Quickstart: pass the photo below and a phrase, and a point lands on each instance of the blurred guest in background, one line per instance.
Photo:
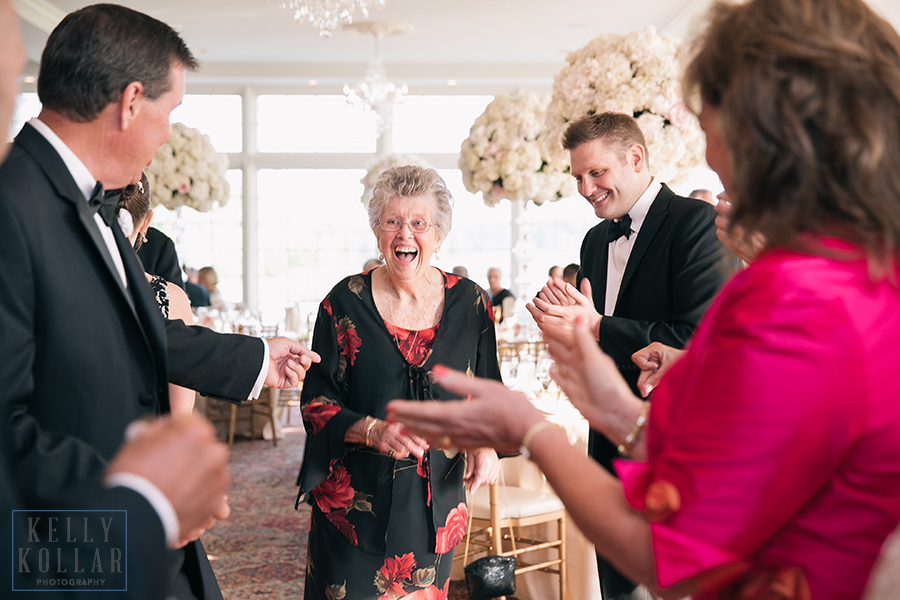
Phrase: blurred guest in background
(705, 195)
(782, 391)
(461, 271)
(556, 272)
(210, 280)
(379, 334)
(570, 274)
(196, 293)
(501, 298)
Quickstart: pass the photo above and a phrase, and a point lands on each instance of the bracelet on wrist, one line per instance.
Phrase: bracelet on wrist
(627, 446)
(525, 448)
(369, 427)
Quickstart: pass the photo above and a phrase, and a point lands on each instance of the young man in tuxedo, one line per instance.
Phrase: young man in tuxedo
(648, 271)
(85, 349)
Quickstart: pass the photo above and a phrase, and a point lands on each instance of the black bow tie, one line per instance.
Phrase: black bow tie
(619, 228)
(104, 203)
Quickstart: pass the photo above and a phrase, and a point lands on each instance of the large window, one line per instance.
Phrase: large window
(435, 123)
(312, 124)
(311, 227)
(218, 116)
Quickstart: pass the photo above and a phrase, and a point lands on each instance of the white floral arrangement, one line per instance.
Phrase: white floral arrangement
(637, 74)
(505, 156)
(383, 164)
(187, 171)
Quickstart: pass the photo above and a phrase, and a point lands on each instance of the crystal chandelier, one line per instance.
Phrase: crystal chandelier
(326, 15)
(375, 93)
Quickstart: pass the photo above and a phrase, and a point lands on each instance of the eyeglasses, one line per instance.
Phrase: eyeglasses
(416, 225)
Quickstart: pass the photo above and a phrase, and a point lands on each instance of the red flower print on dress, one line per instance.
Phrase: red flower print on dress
(347, 339)
(451, 280)
(338, 518)
(326, 304)
(334, 497)
(449, 536)
(415, 346)
(429, 593)
(318, 412)
(335, 492)
(392, 573)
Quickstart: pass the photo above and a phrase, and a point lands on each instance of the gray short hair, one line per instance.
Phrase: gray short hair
(407, 181)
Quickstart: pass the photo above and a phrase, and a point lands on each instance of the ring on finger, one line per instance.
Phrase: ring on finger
(390, 453)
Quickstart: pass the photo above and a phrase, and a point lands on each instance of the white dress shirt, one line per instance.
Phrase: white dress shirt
(620, 249)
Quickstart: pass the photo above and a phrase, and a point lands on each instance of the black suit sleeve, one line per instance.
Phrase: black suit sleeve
(221, 365)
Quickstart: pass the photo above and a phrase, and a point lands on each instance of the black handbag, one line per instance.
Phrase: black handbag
(490, 577)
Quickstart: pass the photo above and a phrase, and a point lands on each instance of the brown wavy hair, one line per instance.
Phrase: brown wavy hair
(808, 95)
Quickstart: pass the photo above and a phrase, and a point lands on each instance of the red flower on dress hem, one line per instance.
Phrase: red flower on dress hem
(449, 536)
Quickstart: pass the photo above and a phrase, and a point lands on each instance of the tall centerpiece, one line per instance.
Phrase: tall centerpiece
(187, 171)
(505, 157)
(637, 74)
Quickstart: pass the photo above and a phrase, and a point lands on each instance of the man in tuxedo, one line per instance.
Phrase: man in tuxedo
(648, 271)
(85, 349)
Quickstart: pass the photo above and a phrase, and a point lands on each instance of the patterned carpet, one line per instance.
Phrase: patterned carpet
(259, 552)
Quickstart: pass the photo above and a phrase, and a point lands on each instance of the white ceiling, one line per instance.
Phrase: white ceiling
(511, 43)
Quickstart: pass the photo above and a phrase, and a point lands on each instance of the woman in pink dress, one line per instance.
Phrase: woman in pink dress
(769, 466)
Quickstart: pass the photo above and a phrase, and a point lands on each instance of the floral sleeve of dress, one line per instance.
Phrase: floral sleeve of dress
(323, 399)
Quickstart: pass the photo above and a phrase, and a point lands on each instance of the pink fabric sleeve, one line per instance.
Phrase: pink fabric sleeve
(749, 426)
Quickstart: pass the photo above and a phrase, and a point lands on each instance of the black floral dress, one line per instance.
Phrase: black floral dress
(384, 528)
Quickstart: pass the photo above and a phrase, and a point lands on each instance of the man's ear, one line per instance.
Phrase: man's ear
(637, 158)
(131, 103)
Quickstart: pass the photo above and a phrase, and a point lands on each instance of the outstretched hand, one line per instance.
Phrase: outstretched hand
(560, 304)
(494, 417)
(288, 362)
(654, 360)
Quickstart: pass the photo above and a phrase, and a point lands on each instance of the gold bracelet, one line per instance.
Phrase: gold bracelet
(627, 446)
(369, 429)
(524, 449)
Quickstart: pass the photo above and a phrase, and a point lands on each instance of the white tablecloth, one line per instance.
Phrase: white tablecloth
(584, 582)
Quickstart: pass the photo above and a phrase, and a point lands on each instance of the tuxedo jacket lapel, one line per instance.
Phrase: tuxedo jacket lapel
(58, 175)
(598, 288)
(654, 220)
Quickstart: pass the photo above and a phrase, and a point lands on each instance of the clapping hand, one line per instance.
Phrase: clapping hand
(560, 304)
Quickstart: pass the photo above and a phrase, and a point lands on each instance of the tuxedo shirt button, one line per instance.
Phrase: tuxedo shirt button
(146, 400)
